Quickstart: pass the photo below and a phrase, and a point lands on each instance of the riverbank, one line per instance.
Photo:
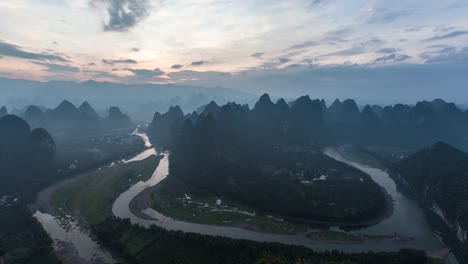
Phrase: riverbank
(180, 203)
(42, 201)
(72, 205)
(138, 198)
(209, 210)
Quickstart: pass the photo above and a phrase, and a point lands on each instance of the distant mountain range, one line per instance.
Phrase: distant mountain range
(305, 120)
(68, 120)
(437, 176)
(139, 100)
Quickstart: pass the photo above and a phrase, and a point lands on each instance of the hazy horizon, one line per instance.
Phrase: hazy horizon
(233, 131)
(375, 51)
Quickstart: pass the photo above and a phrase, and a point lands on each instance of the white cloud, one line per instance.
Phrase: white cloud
(227, 33)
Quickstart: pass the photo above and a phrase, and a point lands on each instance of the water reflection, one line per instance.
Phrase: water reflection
(407, 220)
(68, 236)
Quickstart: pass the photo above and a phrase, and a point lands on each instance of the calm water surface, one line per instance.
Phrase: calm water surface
(407, 219)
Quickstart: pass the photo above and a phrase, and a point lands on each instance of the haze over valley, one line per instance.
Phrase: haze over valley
(263, 132)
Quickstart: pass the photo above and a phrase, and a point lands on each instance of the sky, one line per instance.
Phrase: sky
(289, 47)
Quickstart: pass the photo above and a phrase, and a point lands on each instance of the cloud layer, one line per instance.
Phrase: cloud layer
(123, 14)
(10, 50)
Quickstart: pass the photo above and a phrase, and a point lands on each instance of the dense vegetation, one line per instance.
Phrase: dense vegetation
(24, 153)
(25, 242)
(136, 244)
(267, 158)
(174, 198)
(26, 164)
(438, 176)
(305, 120)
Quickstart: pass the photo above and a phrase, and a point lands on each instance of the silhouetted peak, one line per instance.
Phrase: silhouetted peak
(85, 105)
(65, 106)
(65, 112)
(193, 116)
(305, 102)
(282, 106)
(156, 116)
(350, 105)
(14, 131)
(438, 103)
(264, 104)
(87, 109)
(265, 98)
(212, 108)
(34, 113)
(175, 111)
(212, 104)
(231, 107)
(117, 118)
(114, 111)
(367, 111)
(305, 106)
(303, 99)
(336, 106)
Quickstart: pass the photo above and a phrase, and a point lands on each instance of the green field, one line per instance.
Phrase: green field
(175, 199)
(91, 195)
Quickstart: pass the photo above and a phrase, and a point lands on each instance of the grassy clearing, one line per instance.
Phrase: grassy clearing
(175, 199)
(91, 195)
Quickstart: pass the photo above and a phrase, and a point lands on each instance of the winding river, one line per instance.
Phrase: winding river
(407, 219)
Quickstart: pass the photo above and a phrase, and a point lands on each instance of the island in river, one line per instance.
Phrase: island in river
(313, 154)
(121, 206)
(255, 162)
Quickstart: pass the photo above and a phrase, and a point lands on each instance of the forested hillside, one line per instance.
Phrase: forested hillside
(439, 177)
(305, 120)
(26, 164)
(268, 158)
